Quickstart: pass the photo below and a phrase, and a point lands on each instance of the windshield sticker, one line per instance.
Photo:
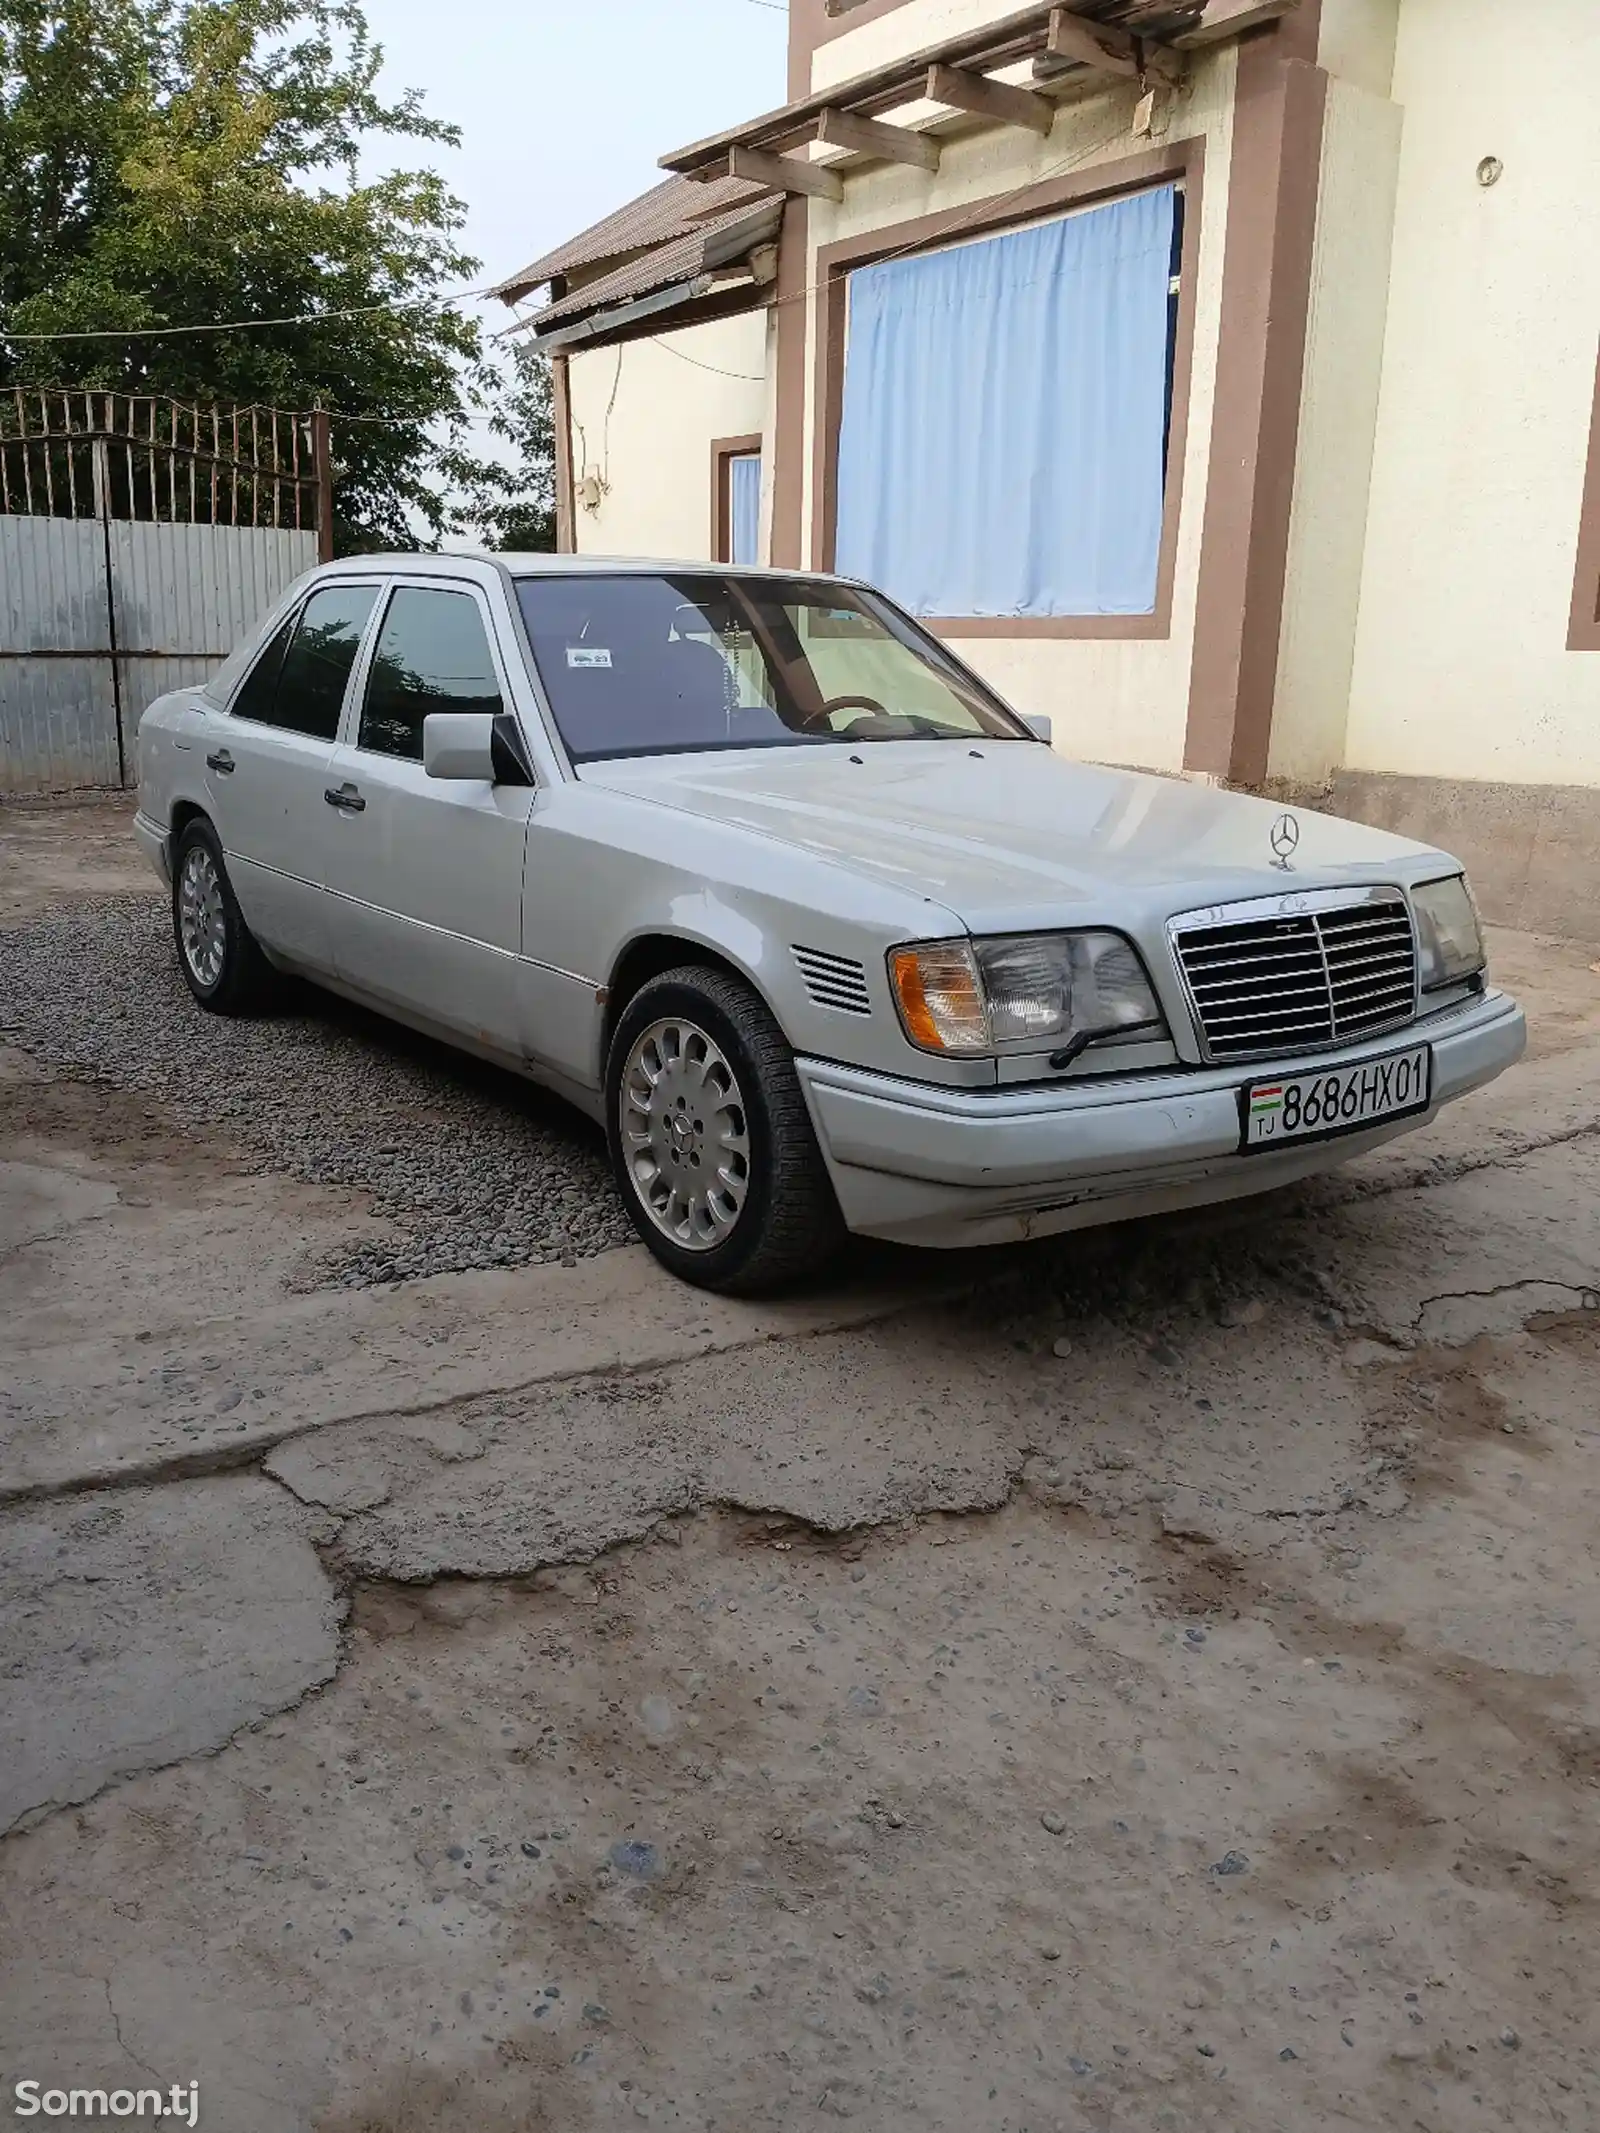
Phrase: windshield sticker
(587, 655)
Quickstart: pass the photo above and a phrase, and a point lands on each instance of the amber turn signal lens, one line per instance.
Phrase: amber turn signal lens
(940, 999)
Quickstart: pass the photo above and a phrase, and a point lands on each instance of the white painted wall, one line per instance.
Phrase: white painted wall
(643, 419)
(1338, 426)
(1461, 667)
(1113, 699)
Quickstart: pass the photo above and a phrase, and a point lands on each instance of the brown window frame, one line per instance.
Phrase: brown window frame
(724, 451)
(1584, 633)
(1185, 161)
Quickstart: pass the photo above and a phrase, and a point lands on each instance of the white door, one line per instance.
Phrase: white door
(425, 874)
(267, 762)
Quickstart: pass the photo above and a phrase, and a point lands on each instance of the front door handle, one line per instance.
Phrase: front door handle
(345, 797)
(221, 761)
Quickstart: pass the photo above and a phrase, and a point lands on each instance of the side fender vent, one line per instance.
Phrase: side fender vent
(834, 981)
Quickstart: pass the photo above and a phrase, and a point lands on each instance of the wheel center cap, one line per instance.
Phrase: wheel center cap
(681, 1130)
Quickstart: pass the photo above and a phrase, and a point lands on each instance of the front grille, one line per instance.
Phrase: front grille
(1301, 981)
(835, 981)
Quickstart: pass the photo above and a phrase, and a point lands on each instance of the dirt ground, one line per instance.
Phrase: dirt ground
(1147, 1681)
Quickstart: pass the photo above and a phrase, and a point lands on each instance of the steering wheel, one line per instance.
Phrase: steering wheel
(841, 703)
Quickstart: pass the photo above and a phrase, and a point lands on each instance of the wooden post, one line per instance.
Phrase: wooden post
(100, 461)
(322, 460)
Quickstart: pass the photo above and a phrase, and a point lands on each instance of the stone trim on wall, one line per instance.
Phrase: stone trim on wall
(1532, 852)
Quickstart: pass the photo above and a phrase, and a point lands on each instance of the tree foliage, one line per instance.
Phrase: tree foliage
(512, 503)
(184, 162)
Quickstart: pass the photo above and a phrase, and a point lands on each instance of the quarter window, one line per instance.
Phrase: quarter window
(299, 681)
(432, 655)
(255, 698)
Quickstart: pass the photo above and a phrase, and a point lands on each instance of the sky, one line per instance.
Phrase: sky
(564, 105)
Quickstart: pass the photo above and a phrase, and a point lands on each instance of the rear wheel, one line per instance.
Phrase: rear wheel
(711, 1140)
(221, 963)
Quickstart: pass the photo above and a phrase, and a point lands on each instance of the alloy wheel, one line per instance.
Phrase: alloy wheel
(685, 1134)
(202, 922)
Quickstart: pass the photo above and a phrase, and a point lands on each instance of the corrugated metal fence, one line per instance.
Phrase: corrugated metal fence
(102, 613)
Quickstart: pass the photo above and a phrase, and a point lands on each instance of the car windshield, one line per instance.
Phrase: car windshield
(637, 664)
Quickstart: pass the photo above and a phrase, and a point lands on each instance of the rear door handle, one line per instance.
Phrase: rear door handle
(346, 797)
(221, 761)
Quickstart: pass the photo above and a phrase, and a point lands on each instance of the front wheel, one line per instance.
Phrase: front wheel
(711, 1140)
(217, 953)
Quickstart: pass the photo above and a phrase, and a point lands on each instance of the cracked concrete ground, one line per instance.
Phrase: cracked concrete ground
(1149, 1681)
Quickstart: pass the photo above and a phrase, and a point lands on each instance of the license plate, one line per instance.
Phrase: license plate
(1300, 1107)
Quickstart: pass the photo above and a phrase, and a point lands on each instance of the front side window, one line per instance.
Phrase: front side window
(432, 654)
(299, 681)
(650, 665)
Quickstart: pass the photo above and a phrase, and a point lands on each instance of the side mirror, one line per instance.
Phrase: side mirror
(476, 747)
(1038, 724)
(459, 744)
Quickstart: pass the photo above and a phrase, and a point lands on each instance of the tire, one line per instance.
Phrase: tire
(774, 1217)
(221, 962)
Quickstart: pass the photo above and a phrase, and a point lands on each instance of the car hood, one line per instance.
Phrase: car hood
(1010, 833)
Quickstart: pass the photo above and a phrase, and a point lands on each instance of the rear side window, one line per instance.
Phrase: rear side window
(432, 654)
(299, 681)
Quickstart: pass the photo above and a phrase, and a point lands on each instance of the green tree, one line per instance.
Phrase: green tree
(181, 162)
(511, 503)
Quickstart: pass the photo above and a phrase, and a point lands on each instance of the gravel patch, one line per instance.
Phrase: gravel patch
(471, 1166)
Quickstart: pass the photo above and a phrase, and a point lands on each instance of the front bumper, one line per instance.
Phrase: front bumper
(950, 1167)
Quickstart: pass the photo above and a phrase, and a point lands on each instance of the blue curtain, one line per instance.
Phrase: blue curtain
(1003, 442)
(744, 512)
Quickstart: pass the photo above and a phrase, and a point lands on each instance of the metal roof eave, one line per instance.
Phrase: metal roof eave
(723, 248)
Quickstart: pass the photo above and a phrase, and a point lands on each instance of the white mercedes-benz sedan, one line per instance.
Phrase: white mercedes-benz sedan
(752, 868)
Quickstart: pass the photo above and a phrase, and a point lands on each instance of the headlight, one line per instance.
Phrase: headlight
(1449, 943)
(1062, 990)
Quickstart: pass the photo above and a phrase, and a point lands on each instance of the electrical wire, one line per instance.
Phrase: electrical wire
(983, 208)
(241, 325)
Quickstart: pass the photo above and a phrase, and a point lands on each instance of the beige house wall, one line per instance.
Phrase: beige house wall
(1338, 426)
(880, 38)
(1461, 666)
(1118, 698)
(645, 415)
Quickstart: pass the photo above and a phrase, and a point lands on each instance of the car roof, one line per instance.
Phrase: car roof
(533, 563)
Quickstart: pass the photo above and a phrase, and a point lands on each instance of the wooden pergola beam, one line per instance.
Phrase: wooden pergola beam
(870, 137)
(996, 100)
(1099, 45)
(1105, 49)
(782, 174)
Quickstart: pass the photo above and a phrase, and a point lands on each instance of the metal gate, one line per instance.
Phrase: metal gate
(139, 540)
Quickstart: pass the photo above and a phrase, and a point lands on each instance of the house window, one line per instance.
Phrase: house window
(1003, 440)
(736, 499)
(744, 507)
